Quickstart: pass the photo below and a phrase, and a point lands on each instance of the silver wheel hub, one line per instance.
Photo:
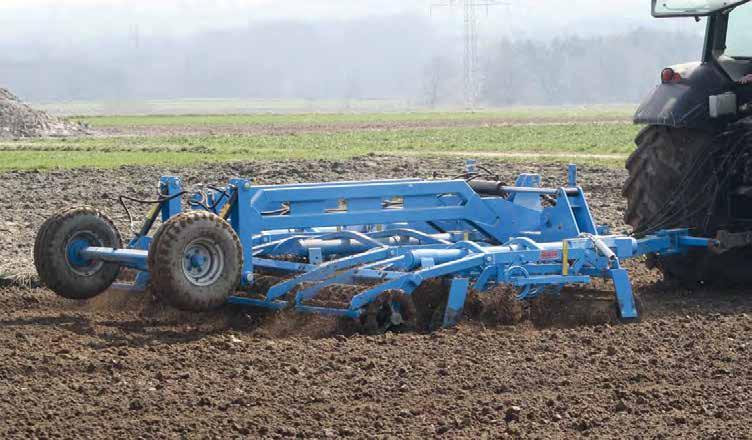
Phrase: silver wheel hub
(78, 265)
(203, 262)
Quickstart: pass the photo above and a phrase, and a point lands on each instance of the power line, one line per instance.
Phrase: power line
(472, 78)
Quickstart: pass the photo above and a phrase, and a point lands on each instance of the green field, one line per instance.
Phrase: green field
(516, 141)
(600, 134)
(512, 115)
(385, 109)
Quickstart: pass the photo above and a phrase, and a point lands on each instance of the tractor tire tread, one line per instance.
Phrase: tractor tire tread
(656, 168)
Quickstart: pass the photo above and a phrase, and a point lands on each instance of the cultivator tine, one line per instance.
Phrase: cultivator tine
(456, 301)
(348, 277)
(412, 280)
(625, 298)
(326, 270)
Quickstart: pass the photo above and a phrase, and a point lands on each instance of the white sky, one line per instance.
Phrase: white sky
(87, 18)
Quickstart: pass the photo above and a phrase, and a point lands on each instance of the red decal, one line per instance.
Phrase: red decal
(549, 255)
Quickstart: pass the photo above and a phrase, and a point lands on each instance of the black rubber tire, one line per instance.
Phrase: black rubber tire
(660, 162)
(50, 253)
(168, 279)
(656, 169)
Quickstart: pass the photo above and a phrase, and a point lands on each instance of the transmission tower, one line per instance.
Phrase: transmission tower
(471, 77)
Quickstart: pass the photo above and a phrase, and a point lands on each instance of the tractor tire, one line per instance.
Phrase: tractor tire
(59, 270)
(195, 261)
(658, 166)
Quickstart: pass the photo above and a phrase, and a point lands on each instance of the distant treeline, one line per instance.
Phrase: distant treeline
(572, 70)
(398, 57)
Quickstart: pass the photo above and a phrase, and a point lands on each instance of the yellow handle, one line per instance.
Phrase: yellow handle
(153, 212)
(225, 210)
(565, 258)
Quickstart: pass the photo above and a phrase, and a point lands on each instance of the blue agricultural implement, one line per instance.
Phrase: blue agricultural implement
(385, 238)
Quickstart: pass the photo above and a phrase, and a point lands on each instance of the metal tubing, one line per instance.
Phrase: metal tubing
(414, 258)
(132, 258)
(696, 242)
(541, 191)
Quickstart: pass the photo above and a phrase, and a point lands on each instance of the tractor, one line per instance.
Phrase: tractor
(693, 163)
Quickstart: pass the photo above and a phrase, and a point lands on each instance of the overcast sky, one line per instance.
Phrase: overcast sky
(534, 18)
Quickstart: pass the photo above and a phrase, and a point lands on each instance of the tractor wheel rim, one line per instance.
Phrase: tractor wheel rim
(73, 247)
(203, 262)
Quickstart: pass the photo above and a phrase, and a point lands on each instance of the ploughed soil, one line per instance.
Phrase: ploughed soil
(122, 365)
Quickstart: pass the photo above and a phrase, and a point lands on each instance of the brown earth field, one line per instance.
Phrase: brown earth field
(124, 366)
(334, 127)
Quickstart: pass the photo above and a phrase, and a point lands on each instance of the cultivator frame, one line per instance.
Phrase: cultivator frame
(394, 235)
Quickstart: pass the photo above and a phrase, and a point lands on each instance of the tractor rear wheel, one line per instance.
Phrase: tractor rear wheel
(56, 253)
(658, 172)
(195, 261)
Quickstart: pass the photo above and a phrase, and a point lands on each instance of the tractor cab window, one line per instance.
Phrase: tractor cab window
(739, 33)
(735, 57)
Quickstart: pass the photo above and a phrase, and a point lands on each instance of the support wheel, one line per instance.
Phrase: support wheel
(57, 253)
(195, 261)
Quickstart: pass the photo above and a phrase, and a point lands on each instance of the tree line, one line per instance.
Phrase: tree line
(399, 57)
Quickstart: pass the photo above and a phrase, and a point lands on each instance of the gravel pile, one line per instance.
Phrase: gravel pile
(18, 120)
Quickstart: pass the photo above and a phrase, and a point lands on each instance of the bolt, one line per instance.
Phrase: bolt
(247, 186)
(249, 277)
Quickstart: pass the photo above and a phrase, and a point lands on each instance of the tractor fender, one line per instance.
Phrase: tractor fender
(685, 103)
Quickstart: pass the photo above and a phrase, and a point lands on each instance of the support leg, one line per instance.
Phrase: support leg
(456, 301)
(624, 297)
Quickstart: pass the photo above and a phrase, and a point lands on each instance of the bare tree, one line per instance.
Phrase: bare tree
(435, 75)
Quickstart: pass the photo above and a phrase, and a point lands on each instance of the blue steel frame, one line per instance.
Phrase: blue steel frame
(397, 234)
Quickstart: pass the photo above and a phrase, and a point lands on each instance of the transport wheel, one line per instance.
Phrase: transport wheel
(57, 247)
(195, 261)
(657, 170)
(394, 310)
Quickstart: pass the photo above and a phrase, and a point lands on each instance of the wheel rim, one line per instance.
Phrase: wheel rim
(526, 292)
(77, 243)
(203, 262)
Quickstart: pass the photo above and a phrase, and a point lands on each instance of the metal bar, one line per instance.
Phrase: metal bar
(326, 270)
(132, 258)
(696, 242)
(242, 301)
(345, 313)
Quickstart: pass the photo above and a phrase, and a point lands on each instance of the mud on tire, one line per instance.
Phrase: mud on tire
(656, 169)
(195, 261)
(59, 270)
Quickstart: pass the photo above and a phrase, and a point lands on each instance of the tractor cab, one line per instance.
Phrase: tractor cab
(714, 91)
